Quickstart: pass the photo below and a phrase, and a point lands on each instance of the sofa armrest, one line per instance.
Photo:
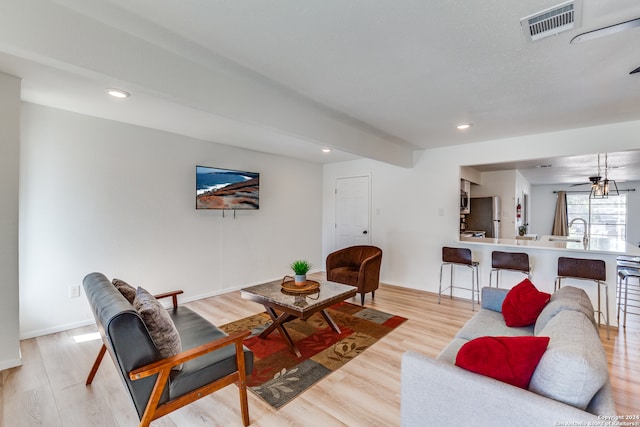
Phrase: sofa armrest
(438, 393)
(172, 294)
(370, 266)
(171, 362)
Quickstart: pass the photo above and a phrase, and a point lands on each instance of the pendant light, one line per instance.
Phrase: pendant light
(602, 188)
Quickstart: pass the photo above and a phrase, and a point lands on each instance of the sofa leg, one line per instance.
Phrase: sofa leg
(373, 294)
(362, 298)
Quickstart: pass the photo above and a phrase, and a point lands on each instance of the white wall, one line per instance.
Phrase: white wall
(416, 212)
(9, 183)
(503, 185)
(522, 186)
(543, 205)
(237, 102)
(98, 195)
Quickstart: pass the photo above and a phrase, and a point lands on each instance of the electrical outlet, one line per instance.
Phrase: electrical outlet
(74, 291)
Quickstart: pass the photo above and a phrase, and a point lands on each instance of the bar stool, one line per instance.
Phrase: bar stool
(623, 276)
(511, 261)
(628, 262)
(461, 257)
(585, 269)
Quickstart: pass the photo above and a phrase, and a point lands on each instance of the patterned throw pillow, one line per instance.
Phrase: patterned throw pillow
(163, 332)
(127, 291)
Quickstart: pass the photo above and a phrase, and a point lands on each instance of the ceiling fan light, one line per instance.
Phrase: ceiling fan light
(612, 188)
(597, 192)
(604, 189)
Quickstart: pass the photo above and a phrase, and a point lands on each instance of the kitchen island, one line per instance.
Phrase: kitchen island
(543, 257)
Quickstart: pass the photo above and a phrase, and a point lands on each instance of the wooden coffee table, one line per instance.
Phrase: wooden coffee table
(291, 307)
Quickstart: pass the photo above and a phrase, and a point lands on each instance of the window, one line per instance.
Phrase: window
(606, 217)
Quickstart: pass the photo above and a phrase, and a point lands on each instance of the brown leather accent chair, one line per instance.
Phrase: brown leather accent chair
(357, 266)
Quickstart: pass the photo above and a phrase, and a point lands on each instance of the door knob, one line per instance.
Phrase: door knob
(364, 232)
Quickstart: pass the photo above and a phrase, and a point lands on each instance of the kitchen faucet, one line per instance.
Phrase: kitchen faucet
(585, 238)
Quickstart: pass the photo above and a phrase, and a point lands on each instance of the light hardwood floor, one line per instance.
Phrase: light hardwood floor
(48, 390)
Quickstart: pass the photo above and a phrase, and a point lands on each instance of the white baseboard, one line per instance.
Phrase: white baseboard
(56, 329)
(224, 291)
(65, 327)
(10, 364)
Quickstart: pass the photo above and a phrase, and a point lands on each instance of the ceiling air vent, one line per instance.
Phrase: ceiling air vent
(552, 21)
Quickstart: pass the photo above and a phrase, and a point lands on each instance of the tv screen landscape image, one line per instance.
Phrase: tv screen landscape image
(226, 189)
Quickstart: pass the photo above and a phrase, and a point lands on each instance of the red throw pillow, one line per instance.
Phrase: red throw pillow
(509, 359)
(523, 304)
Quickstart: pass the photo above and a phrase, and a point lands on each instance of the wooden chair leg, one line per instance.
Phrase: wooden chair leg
(154, 399)
(242, 383)
(96, 365)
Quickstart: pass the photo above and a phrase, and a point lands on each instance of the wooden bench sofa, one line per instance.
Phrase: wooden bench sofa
(210, 359)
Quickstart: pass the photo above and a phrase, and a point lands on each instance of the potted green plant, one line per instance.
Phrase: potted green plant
(300, 269)
(522, 230)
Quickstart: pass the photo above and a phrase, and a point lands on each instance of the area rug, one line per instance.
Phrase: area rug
(279, 376)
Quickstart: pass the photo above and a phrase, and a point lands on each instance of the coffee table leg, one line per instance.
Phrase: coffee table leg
(277, 323)
(330, 321)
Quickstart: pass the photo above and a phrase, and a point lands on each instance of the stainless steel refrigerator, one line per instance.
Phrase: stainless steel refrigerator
(484, 215)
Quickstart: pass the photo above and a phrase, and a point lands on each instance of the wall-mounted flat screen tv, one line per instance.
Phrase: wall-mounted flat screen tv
(226, 189)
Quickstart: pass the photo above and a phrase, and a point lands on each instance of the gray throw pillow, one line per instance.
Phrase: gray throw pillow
(574, 367)
(566, 298)
(492, 298)
(163, 332)
(127, 291)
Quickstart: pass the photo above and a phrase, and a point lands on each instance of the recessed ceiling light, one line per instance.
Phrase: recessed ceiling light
(463, 126)
(326, 150)
(118, 93)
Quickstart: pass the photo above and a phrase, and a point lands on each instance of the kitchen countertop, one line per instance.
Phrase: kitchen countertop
(571, 243)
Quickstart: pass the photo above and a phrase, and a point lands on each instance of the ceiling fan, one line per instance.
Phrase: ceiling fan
(593, 180)
(600, 188)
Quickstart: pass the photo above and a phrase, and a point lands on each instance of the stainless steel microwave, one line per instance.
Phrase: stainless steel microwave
(465, 196)
(464, 202)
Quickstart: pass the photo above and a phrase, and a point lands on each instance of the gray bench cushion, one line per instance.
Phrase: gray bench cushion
(195, 331)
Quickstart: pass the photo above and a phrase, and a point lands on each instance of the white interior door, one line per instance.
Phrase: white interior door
(352, 211)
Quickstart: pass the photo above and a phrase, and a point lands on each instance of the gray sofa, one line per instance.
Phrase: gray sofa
(570, 384)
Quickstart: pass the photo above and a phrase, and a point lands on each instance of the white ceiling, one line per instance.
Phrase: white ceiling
(367, 78)
(621, 167)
